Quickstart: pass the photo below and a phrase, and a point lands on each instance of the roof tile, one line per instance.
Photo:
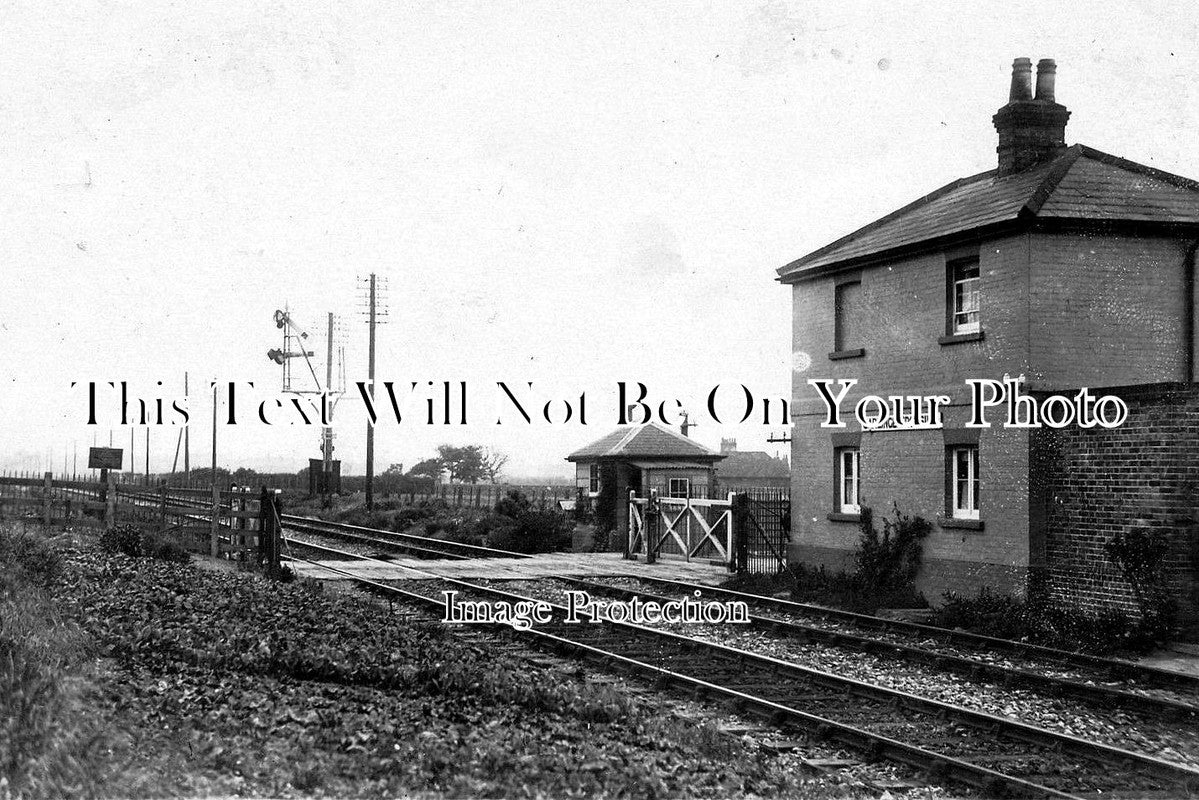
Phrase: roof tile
(1080, 183)
(643, 441)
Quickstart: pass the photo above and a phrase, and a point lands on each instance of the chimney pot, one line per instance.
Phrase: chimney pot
(1021, 80)
(1030, 131)
(1046, 74)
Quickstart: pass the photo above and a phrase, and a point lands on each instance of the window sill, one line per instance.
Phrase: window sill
(841, 355)
(960, 524)
(839, 516)
(958, 338)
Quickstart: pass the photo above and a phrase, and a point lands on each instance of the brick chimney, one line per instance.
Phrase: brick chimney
(1031, 129)
(728, 446)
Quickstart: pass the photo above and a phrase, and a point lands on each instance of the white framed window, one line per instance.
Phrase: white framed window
(679, 487)
(594, 480)
(966, 297)
(964, 480)
(848, 481)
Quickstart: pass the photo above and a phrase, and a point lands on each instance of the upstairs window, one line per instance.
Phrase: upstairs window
(964, 482)
(679, 487)
(848, 311)
(848, 483)
(965, 296)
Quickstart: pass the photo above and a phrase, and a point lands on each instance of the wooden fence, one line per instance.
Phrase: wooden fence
(459, 495)
(221, 522)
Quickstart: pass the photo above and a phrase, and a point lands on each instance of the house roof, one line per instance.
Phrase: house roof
(1078, 184)
(752, 464)
(643, 441)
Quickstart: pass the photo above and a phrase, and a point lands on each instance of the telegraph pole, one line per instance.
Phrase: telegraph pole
(214, 407)
(187, 464)
(375, 316)
(370, 429)
(327, 431)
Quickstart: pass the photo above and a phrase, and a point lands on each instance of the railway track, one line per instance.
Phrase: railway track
(1016, 662)
(421, 546)
(425, 547)
(1121, 683)
(1179, 707)
(952, 744)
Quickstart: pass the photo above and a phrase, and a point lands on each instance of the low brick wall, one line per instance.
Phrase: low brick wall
(1088, 484)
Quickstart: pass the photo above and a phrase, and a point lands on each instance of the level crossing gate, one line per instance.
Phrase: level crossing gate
(746, 532)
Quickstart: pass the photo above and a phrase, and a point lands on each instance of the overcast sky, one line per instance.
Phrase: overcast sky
(571, 194)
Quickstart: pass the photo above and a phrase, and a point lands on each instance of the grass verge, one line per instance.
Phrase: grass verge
(146, 678)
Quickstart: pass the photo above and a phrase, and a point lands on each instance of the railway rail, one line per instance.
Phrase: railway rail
(1118, 682)
(422, 546)
(974, 668)
(1164, 689)
(426, 547)
(995, 754)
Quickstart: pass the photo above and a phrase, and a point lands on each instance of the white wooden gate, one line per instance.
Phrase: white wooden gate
(690, 528)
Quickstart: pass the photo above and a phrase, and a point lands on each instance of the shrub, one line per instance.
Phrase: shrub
(31, 557)
(514, 504)
(1042, 622)
(890, 562)
(523, 527)
(409, 516)
(124, 539)
(128, 540)
(164, 548)
(606, 502)
(1140, 555)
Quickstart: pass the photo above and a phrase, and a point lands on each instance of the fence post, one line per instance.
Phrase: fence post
(162, 506)
(739, 547)
(213, 543)
(628, 534)
(46, 481)
(110, 499)
(649, 527)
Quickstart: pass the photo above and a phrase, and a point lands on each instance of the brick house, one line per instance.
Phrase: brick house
(643, 458)
(1064, 265)
(750, 469)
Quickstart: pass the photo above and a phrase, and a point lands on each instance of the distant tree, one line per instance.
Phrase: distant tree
(203, 475)
(429, 468)
(464, 464)
(493, 464)
(245, 477)
(394, 469)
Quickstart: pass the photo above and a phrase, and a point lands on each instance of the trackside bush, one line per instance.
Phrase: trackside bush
(519, 525)
(1039, 621)
(128, 540)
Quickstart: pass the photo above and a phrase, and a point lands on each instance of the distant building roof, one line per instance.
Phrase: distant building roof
(1078, 184)
(643, 441)
(752, 465)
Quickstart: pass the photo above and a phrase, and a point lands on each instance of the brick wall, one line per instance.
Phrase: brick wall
(903, 317)
(1066, 310)
(1106, 310)
(908, 468)
(1089, 484)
